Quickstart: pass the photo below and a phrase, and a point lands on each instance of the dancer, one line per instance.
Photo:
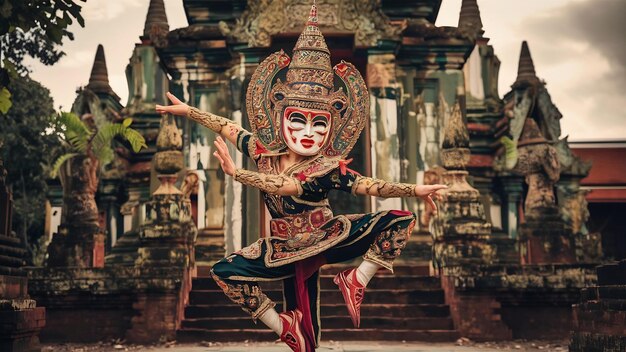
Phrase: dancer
(302, 131)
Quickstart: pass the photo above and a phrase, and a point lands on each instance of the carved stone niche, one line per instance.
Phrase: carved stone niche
(265, 18)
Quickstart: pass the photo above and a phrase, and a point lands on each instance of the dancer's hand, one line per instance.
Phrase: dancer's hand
(177, 108)
(222, 155)
(427, 192)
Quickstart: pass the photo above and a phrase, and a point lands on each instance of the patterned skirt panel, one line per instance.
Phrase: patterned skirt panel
(378, 237)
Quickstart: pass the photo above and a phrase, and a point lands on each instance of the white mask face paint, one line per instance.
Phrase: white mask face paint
(305, 130)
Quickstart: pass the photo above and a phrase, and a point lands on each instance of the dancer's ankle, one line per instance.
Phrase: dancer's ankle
(365, 271)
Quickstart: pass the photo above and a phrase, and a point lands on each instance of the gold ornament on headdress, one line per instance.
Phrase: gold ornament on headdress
(309, 84)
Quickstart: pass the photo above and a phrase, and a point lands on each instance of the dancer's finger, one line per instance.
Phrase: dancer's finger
(431, 203)
(225, 148)
(221, 147)
(219, 157)
(222, 143)
(218, 146)
(173, 99)
(434, 188)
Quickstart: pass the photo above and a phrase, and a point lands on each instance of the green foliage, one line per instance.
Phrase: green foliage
(36, 28)
(75, 131)
(108, 131)
(510, 157)
(28, 135)
(33, 28)
(59, 162)
(34, 43)
(80, 139)
(53, 17)
(5, 100)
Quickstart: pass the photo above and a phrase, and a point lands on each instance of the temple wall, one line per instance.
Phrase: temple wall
(500, 302)
(117, 302)
(384, 128)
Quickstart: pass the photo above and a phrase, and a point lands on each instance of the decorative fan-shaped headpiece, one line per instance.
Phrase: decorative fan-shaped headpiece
(310, 84)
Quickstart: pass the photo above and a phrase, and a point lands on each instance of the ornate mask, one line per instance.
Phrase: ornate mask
(307, 113)
(305, 130)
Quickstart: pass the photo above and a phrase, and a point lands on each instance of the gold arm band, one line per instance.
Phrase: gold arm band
(382, 188)
(266, 183)
(212, 121)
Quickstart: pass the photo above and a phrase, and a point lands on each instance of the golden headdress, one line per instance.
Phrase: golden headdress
(310, 82)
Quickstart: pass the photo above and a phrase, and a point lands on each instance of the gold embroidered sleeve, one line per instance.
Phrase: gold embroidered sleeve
(212, 121)
(381, 188)
(273, 184)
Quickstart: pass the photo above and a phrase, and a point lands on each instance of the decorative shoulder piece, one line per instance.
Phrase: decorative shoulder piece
(212, 121)
(264, 118)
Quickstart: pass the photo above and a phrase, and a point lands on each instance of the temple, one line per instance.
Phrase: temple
(506, 256)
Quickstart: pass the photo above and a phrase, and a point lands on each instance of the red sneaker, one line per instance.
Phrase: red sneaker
(352, 292)
(292, 333)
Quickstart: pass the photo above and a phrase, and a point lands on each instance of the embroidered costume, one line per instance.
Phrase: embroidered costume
(301, 104)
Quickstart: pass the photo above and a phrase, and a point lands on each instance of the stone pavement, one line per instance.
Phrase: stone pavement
(326, 346)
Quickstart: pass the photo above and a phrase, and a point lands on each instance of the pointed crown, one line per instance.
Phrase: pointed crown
(312, 83)
(310, 74)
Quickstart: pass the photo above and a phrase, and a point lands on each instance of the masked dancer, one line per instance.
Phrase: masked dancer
(305, 117)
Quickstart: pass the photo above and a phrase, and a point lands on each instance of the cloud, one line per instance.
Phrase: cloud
(578, 48)
(77, 59)
(104, 10)
(596, 25)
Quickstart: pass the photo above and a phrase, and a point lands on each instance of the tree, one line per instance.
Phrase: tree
(35, 28)
(27, 135)
(87, 149)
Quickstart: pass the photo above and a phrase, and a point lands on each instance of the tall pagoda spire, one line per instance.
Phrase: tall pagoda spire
(469, 19)
(156, 20)
(526, 68)
(99, 78)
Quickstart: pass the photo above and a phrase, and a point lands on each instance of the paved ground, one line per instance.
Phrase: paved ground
(327, 346)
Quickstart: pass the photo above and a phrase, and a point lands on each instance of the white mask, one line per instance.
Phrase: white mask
(305, 130)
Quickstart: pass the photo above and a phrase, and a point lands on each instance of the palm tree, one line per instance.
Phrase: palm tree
(87, 150)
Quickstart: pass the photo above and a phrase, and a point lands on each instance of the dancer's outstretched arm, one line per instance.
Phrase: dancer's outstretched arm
(221, 125)
(381, 188)
(274, 184)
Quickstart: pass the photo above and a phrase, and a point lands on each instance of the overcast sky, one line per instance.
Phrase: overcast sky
(578, 48)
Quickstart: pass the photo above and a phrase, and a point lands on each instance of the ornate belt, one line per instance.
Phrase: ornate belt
(290, 226)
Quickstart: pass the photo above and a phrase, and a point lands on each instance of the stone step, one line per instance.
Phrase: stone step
(408, 305)
(588, 294)
(328, 322)
(397, 296)
(612, 274)
(10, 241)
(383, 310)
(374, 334)
(333, 269)
(612, 292)
(12, 251)
(326, 282)
(5, 270)
(195, 335)
(11, 262)
(603, 305)
(226, 335)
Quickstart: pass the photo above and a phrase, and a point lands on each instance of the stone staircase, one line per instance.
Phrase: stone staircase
(406, 306)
